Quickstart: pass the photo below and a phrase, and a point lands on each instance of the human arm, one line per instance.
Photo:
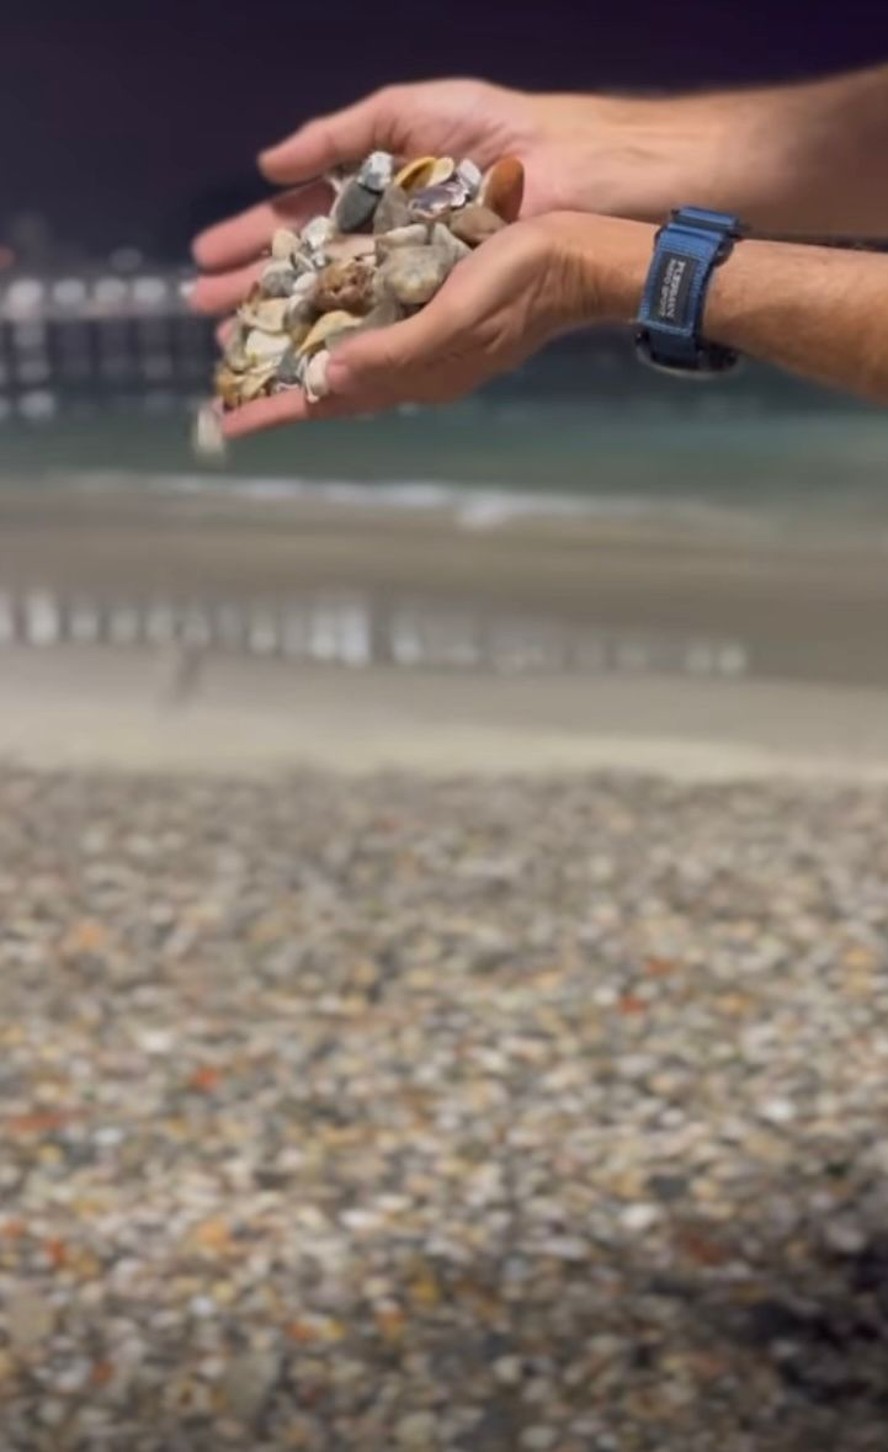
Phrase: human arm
(802, 159)
(819, 312)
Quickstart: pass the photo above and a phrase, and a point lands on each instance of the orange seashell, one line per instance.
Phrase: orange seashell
(416, 173)
(502, 189)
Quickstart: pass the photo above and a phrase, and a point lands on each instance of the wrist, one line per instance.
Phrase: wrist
(601, 266)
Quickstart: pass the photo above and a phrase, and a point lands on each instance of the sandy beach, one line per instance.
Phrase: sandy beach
(472, 1041)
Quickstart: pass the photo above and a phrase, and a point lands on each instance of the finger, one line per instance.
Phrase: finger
(225, 292)
(327, 141)
(291, 407)
(242, 238)
(391, 363)
(224, 331)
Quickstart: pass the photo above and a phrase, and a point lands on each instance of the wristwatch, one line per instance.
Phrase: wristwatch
(686, 253)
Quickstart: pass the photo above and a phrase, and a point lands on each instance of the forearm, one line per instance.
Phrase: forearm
(817, 311)
(805, 159)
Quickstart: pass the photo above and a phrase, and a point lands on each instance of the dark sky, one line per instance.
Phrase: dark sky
(137, 120)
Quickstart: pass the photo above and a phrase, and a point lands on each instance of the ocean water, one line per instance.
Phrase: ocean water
(584, 423)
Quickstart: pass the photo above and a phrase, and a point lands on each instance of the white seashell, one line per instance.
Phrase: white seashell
(325, 327)
(255, 383)
(284, 245)
(441, 172)
(261, 347)
(267, 314)
(207, 439)
(471, 177)
(315, 378)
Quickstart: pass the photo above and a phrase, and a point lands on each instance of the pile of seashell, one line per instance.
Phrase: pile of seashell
(393, 236)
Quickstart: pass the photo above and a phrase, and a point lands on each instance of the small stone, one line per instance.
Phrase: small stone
(30, 1318)
(345, 286)
(355, 207)
(639, 1217)
(509, 1370)
(414, 235)
(448, 241)
(278, 281)
(538, 1439)
(502, 189)
(778, 1111)
(475, 224)
(417, 1430)
(393, 210)
(414, 274)
(248, 1382)
(844, 1236)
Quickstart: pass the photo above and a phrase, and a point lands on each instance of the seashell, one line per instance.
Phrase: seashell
(393, 210)
(256, 383)
(325, 327)
(416, 235)
(448, 242)
(267, 314)
(284, 245)
(377, 172)
(442, 171)
(416, 173)
(474, 224)
(471, 177)
(502, 189)
(315, 377)
(234, 352)
(207, 438)
(414, 274)
(354, 207)
(261, 347)
(345, 287)
(278, 280)
(431, 203)
(228, 386)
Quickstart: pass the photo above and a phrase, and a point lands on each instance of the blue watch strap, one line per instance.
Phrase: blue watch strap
(686, 252)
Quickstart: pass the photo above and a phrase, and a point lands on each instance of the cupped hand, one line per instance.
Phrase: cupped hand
(499, 306)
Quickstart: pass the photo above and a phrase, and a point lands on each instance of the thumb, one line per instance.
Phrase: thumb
(328, 141)
(388, 363)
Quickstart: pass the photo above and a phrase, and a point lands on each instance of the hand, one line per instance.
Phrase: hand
(581, 153)
(520, 289)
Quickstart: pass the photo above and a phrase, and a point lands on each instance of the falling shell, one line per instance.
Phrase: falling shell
(208, 438)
